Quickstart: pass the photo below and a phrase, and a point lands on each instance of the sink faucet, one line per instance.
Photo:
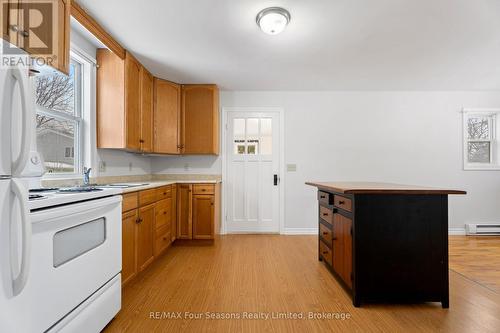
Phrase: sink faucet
(86, 176)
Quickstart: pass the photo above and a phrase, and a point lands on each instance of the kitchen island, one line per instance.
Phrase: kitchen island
(385, 242)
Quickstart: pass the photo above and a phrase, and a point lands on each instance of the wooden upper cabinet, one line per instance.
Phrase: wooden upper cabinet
(124, 103)
(167, 117)
(200, 125)
(203, 216)
(146, 139)
(132, 102)
(16, 17)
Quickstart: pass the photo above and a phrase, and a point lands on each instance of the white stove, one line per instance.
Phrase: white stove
(41, 199)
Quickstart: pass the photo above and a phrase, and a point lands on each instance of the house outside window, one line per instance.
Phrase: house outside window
(481, 149)
(59, 119)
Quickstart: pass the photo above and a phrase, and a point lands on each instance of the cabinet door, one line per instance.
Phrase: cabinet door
(129, 221)
(146, 111)
(167, 117)
(338, 246)
(200, 110)
(61, 61)
(11, 26)
(347, 242)
(132, 102)
(184, 210)
(173, 212)
(145, 238)
(203, 216)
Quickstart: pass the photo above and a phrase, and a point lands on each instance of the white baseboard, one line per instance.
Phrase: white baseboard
(456, 231)
(300, 231)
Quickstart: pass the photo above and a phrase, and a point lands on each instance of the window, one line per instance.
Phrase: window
(59, 118)
(480, 139)
(253, 136)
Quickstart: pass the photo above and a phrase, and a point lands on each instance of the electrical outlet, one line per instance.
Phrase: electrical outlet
(130, 165)
(291, 167)
(102, 166)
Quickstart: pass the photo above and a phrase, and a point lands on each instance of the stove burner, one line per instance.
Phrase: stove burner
(79, 190)
(44, 189)
(36, 197)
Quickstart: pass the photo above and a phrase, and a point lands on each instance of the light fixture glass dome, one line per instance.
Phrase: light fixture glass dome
(273, 20)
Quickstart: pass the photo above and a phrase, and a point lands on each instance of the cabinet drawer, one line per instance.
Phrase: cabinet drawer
(203, 189)
(325, 252)
(163, 192)
(326, 214)
(162, 240)
(147, 197)
(129, 201)
(163, 214)
(325, 233)
(342, 203)
(325, 197)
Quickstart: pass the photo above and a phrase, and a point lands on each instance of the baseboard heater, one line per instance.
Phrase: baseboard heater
(482, 229)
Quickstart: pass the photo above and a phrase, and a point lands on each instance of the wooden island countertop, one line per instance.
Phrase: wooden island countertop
(380, 188)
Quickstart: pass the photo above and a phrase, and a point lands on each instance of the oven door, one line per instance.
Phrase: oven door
(76, 249)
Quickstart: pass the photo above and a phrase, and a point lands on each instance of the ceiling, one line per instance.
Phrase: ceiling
(329, 44)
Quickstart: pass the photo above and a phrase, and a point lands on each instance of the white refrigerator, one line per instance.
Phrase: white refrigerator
(17, 127)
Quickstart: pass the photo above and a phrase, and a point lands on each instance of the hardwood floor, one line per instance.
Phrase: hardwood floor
(280, 274)
(478, 258)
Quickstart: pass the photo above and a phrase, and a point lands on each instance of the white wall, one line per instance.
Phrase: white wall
(117, 162)
(401, 137)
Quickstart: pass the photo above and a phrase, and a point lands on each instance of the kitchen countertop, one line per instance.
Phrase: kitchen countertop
(380, 188)
(155, 184)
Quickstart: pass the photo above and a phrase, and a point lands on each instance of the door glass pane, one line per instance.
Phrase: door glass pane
(239, 136)
(75, 241)
(252, 136)
(266, 136)
(478, 128)
(479, 152)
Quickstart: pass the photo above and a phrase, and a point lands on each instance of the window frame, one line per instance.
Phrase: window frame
(77, 118)
(493, 116)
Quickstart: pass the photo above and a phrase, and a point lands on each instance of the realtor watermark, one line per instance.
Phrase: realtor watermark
(32, 26)
(275, 315)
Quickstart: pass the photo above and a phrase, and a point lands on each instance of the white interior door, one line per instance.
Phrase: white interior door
(252, 187)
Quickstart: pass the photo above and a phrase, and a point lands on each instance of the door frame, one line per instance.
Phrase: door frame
(281, 185)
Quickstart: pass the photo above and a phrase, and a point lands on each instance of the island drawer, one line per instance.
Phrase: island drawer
(342, 203)
(325, 233)
(326, 253)
(325, 197)
(326, 214)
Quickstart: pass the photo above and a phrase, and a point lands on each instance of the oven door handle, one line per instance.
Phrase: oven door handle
(19, 282)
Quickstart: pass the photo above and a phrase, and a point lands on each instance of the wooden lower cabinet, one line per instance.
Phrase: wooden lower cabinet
(129, 221)
(196, 211)
(184, 210)
(342, 247)
(145, 236)
(203, 216)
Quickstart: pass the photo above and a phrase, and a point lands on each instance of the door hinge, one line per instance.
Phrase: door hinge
(351, 230)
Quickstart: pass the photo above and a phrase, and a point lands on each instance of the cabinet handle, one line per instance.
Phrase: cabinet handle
(325, 233)
(164, 213)
(325, 252)
(14, 28)
(25, 33)
(137, 221)
(164, 238)
(203, 189)
(141, 141)
(334, 238)
(341, 202)
(164, 193)
(325, 214)
(322, 197)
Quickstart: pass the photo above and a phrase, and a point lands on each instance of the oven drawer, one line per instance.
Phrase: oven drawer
(342, 203)
(326, 214)
(326, 253)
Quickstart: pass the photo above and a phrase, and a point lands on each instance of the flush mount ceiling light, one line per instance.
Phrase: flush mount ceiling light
(273, 20)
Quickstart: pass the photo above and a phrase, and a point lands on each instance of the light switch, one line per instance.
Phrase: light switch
(291, 167)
